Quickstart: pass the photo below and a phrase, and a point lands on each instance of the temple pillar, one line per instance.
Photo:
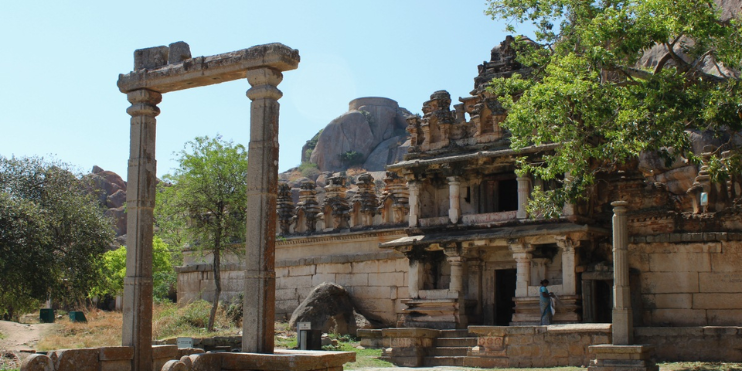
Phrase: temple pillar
(457, 274)
(454, 191)
(140, 203)
(414, 278)
(522, 255)
(623, 331)
(414, 201)
(569, 279)
(524, 193)
(262, 184)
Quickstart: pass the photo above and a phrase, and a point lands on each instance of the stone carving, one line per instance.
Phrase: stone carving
(335, 205)
(285, 208)
(365, 199)
(308, 208)
(394, 200)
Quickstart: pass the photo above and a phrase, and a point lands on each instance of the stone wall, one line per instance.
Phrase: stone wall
(375, 279)
(704, 343)
(688, 279)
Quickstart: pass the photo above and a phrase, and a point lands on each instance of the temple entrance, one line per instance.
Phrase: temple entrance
(504, 293)
(603, 301)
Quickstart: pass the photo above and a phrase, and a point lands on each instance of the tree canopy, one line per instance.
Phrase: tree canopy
(52, 232)
(612, 78)
(203, 206)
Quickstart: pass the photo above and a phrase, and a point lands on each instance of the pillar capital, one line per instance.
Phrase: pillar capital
(520, 247)
(454, 179)
(264, 82)
(566, 244)
(143, 102)
(619, 207)
(452, 250)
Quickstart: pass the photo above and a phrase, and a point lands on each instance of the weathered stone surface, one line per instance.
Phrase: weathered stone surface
(368, 123)
(37, 362)
(75, 359)
(329, 308)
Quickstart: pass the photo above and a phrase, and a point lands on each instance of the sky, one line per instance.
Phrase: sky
(61, 59)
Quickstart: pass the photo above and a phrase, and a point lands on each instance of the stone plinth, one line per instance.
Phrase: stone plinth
(622, 358)
(528, 312)
(101, 359)
(409, 346)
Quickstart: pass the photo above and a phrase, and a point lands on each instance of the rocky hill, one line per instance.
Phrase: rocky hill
(370, 135)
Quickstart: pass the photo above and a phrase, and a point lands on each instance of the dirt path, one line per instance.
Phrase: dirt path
(18, 336)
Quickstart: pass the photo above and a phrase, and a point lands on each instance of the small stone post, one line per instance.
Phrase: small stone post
(454, 190)
(524, 192)
(262, 187)
(140, 203)
(623, 329)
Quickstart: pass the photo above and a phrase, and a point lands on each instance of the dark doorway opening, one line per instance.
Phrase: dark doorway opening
(603, 301)
(508, 194)
(504, 293)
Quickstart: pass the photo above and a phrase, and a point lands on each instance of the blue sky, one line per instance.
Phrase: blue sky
(61, 60)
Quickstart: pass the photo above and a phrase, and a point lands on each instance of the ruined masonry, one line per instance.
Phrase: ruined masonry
(445, 254)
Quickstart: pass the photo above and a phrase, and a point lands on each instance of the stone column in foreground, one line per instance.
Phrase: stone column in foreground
(623, 329)
(262, 187)
(140, 203)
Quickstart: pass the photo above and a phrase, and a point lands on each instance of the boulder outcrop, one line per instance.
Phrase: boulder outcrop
(329, 307)
(373, 128)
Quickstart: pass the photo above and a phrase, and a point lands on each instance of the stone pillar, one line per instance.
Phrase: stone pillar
(454, 190)
(413, 281)
(524, 193)
(475, 283)
(457, 274)
(140, 203)
(522, 256)
(623, 329)
(414, 187)
(262, 184)
(569, 279)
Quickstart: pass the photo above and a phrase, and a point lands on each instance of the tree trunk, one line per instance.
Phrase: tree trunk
(217, 278)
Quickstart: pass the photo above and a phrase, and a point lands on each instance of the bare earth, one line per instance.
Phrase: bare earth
(18, 336)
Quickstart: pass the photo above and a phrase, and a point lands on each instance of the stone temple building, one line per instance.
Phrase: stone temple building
(447, 245)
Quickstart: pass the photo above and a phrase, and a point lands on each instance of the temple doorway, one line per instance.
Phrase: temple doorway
(504, 293)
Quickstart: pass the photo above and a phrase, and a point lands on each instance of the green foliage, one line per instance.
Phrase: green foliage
(51, 235)
(189, 320)
(235, 309)
(585, 91)
(203, 203)
(112, 267)
(309, 170)
(351, 158)
(312, 143)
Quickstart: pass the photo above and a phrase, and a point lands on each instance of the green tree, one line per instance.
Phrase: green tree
(587, 91)
(52, 233)
(112, 268)
(207, 198)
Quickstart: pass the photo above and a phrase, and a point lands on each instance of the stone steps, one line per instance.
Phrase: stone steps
(450, 351)
(461, 333)
(444, 361)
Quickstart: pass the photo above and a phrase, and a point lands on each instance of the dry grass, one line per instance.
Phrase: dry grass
(102, 329)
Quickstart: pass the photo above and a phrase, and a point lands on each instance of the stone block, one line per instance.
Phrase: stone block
(371, 266)
(282, 272)
(679, 317)
(720, 282)
(386, 279)
(333, 268)
(669, 282)
(293, 282)
(37, 362)
(115, 353)
(486, 362)
(179, 51)
(302, 270)
(673, 301)
(728, 317)
(717, 301)
(402, 265)
(639, 260)
(151, 58)
(680, 262)
(75, 359)
(286, 294)
(355, 279)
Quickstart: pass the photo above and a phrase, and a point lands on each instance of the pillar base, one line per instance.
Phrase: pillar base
(610, 357)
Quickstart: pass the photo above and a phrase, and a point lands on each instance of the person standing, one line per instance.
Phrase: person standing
(545, 303)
